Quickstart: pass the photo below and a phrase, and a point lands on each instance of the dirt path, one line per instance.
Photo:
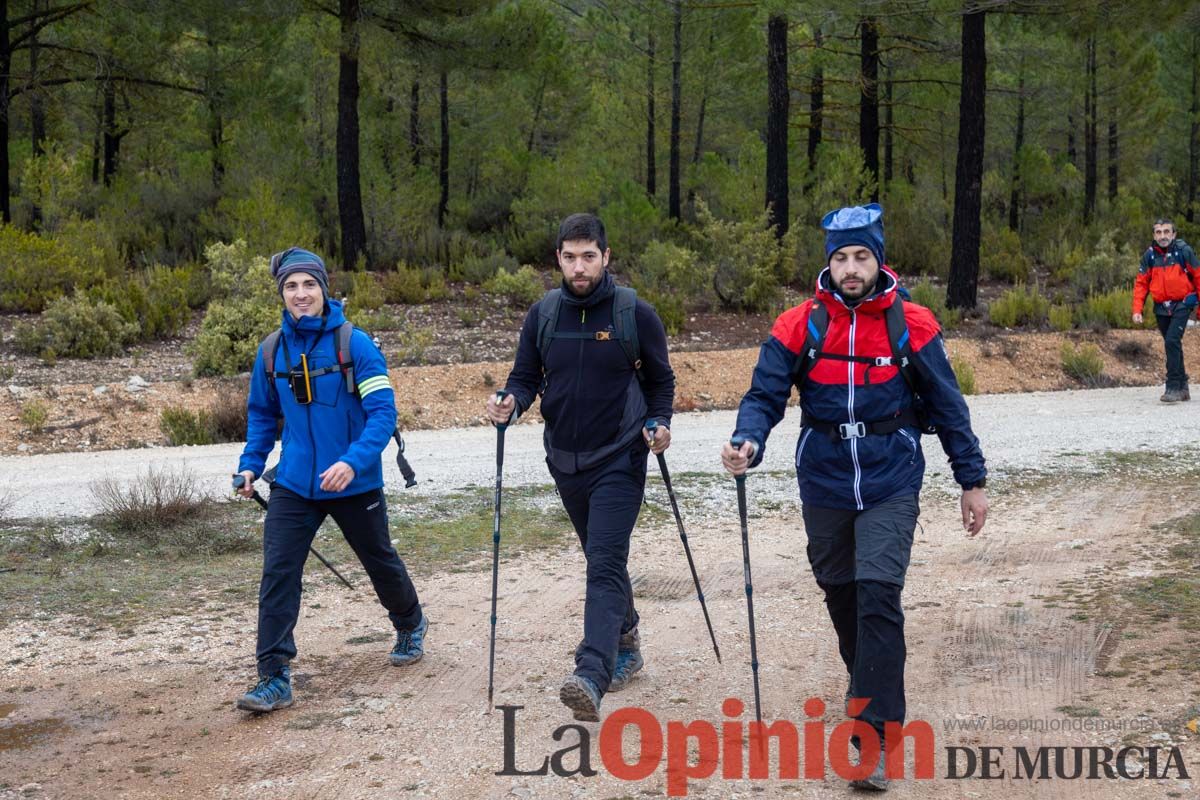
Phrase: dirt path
(148, 713)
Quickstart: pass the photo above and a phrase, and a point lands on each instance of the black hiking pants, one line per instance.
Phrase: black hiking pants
(1172, 326)
(292, 522)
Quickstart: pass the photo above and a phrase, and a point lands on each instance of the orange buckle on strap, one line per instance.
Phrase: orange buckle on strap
(603, 336)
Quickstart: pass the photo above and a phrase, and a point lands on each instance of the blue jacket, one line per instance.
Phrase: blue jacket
(863, 472)
(337, 425)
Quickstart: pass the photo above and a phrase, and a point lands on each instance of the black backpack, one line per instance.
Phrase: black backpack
(624, 325)
(901, 358)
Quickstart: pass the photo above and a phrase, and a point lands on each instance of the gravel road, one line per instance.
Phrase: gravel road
(1019, 432)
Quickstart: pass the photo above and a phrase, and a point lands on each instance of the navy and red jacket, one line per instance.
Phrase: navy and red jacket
(860, 473)
(1169, 275)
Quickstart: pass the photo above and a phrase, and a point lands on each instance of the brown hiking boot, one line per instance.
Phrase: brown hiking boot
(1184, 394)
(1172, 396)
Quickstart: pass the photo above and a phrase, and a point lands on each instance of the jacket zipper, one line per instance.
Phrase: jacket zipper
(850, 407)
(800, 449)
(912, 442)
(578, 383)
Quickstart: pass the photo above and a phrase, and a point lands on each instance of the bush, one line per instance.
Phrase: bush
(34, 415)
(744, 258)
(182, 426)
(1108, 310)
(1061, 318)
(361, 289)
(1108, 267)
(481, 268)
(76, 327)
(409, 286)
(964, 372)
(35, 271)
(1064, 259)
(1001, 256)
(522, 287)
(156, 302)
(1019, 306)
(228, 413)
(925, 294)
(235, 325)
(1083, 364)
(161, 498)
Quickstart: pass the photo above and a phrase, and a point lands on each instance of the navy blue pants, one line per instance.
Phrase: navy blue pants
(1172, 326)
(859, 559)
(603, 504)
(292, 522)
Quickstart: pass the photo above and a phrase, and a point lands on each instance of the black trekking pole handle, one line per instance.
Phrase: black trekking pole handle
(406, 470)
(740, 480)
(500, 428)
(239, 481)
(652, 426)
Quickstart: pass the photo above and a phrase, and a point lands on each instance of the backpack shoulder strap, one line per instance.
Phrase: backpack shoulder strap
(269, 345)
(345, 361)
(901, 342)
(547, 321)
(818, 324)
(625, 326)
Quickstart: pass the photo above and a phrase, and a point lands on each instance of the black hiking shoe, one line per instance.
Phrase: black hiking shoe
(581, 696)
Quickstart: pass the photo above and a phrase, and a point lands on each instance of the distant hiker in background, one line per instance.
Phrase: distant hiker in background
(329, 384)
(598, 357)
(1168, 273)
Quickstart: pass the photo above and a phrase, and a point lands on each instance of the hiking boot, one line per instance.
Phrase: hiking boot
(410, 645)
(1184, 394)
(1173, 396)
(629, 660)
(875, 782)
(581, 696)
(271, 693)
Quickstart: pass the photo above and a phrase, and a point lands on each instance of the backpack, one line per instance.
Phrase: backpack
(341, 346)
(898, 338)
(624, 326)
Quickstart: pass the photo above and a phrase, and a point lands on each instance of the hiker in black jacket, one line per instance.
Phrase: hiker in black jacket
(598, 357)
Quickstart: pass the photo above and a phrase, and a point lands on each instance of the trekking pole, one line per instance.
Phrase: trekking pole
(500, 428)
(652, 426)
(240, 480)
(737, 443)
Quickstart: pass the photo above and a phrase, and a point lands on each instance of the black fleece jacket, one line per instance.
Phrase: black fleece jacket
(586, 380)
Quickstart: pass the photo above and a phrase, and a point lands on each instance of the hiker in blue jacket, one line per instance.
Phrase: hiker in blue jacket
(873, 376)
(339, 412)
(598, 357)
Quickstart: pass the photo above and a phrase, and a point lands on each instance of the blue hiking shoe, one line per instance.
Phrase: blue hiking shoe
(629, 660)
(410, 645)
(270, 694)
(581, 696)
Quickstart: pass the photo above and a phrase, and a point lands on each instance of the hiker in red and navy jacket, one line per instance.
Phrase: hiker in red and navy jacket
(1168, 272)
(858, 460)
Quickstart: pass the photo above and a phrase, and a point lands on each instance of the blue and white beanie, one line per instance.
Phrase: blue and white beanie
(861, 225)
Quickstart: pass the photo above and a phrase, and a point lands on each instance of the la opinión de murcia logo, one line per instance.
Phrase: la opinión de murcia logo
(744, 749)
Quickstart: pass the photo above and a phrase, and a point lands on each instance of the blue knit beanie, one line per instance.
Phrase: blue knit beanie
(861, 225)
(296, 259)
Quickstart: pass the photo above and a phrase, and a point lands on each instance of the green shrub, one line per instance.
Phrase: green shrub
(1064, 259)
(362, 290)
(1001, 257)
(665, 268)
(1083, 364)
(76, 327)
(1108, 267)
(1108, 310)
(1061, 318)
(925, 294)
(413, 344)
(522, 287)
(669, 306)
(34, 414)
(964, 372)
(182, 426)
(403, 286)
(156, 301)
(434, 281)
(481, 268)
(1019, 306)
(248, 310)
(433, 246)
(35, 271)
(744, 258)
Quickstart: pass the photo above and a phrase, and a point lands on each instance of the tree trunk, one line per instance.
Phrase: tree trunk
(816, 108)
(414, 122)
(444, 155)
(216, 123)
(777, 124)
(651, 167)
(1089, 135)
(868, 104)
(112, 138)
(1072, 155)
(673, 210)
(1113, 151)
(698, 149)
(96, 135)
(349, 189)
(5, 71)
(962, 289)
(1014, 195)
(1194, 133)
(887, 127)
(37, 108)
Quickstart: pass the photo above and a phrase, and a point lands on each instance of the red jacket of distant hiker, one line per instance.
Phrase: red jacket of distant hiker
(859, 473)
(1167, 274)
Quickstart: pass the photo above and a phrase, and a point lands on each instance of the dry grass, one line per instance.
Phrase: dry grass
(161, 498)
